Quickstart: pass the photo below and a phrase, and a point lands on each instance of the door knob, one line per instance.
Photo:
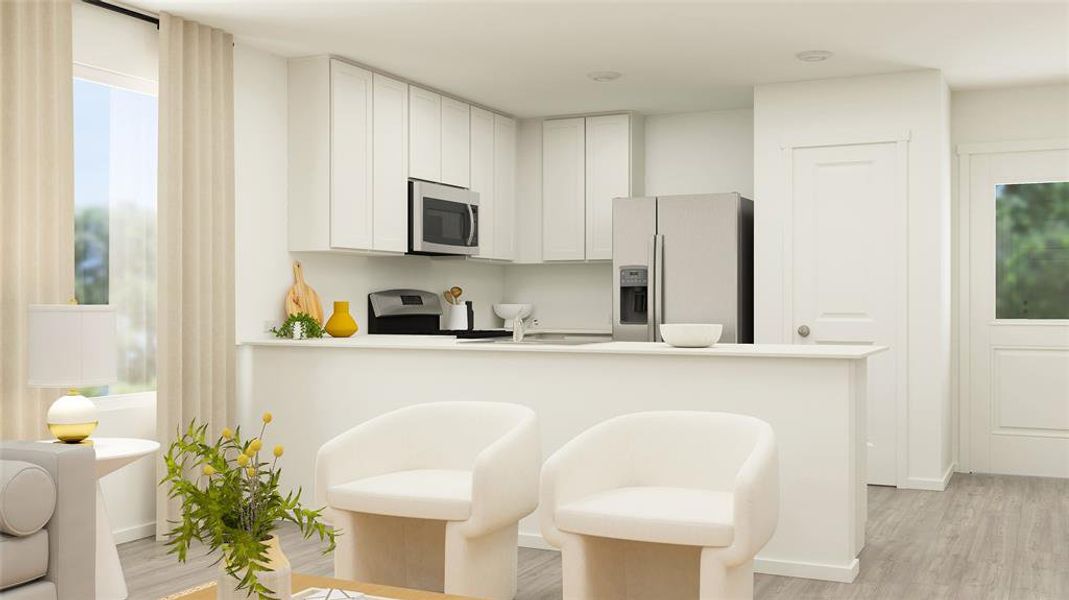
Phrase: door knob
(803, 331)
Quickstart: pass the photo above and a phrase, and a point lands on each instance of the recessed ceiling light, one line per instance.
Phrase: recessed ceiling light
(603, 76)
(813, 55)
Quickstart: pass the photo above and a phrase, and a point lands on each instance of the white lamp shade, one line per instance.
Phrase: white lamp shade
(71, 345)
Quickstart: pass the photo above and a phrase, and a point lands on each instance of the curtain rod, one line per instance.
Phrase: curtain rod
(122, 10)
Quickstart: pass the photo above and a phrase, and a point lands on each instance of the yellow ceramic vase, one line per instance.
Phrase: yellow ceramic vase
(341, 323)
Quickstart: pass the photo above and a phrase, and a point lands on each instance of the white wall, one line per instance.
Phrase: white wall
(700, 152)
(877, 106)
(107, 40)
(571, 296)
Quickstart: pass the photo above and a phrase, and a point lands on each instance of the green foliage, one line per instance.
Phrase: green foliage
(312, 328)
(91, 255)
(230, 501)
(1032, 251)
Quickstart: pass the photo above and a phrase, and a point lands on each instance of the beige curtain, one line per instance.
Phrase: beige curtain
(36, 192)
(195, 207)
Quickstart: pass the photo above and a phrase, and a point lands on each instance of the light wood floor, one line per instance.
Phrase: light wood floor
(987, 536)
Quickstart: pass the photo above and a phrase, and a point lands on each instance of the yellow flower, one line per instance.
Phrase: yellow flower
(227, 433)
(209, 470)
(251, 471)
(267, 417)
(255, 445)
(279, 450)
(243, 459)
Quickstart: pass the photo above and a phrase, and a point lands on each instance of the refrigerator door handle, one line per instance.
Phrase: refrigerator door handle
(651, 295)
(658, 306)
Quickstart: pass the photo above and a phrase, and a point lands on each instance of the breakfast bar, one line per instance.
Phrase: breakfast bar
(812, 395)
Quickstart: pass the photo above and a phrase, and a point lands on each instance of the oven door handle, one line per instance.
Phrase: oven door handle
(471, 221)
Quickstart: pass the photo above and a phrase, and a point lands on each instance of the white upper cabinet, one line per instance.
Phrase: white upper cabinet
(455, 143)
(390, 164)
(504, 188)
(586, 163)
(482, 177)
(424, 134)
(351, 217)
(563, 189)
(608, 176)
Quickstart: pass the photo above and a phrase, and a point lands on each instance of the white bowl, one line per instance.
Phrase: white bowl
(511, 312)
(691, 335)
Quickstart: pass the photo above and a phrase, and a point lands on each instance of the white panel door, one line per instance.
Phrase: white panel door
(482, 177)
(504, 188)
(1018, 318)
(563, 189)
(847, 249)
(390, 164)
(424, 134)
(608, 176)
(351, 211)
(456, 143)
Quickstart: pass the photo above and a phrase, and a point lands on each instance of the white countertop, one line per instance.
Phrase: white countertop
(452, 344)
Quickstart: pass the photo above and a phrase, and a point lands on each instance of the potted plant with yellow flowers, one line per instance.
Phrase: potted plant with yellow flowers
(231, 502)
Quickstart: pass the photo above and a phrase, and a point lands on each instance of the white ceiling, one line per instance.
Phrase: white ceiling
(531, 58)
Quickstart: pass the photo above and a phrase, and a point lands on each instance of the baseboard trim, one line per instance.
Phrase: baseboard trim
(787, 568)
(137, 532)
(933, 485)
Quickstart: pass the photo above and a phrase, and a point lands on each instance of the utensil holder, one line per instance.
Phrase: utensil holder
(455, 317)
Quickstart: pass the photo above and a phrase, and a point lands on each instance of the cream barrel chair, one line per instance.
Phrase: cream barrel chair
(662, 505)
(430, 496)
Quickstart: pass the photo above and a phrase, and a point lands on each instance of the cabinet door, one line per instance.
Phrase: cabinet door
(350, 157)
(455, 143)
(563, 189)
(608, 176)
(504, 188)
(390, 164)
(424, 134)
(482, 178)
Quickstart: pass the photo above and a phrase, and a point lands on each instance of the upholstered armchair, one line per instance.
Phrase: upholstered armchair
(430, 496)
(47, 521)
(662, 504)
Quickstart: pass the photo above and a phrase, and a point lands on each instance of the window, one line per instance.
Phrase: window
(115, 220)
(1032, 251)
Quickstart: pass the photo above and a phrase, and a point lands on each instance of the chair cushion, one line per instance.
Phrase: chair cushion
(664, 515)
(440, 494)
(23, 558)
(27, 497)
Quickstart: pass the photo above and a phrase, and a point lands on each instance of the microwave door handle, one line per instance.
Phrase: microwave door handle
(471, 222)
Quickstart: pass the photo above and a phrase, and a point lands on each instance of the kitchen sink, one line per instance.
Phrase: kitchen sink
(549, 339)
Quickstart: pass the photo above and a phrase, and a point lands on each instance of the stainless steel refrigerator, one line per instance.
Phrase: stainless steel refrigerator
(682, 259)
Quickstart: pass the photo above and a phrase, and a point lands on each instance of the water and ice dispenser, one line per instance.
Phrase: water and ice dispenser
(634, 289)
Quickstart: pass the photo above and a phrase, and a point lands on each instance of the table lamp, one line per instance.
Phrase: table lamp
(71, 346)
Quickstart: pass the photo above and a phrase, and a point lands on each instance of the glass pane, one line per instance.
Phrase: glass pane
(115, 221)
(1032, 251)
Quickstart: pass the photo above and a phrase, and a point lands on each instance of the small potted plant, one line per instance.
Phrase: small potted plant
(231, 502)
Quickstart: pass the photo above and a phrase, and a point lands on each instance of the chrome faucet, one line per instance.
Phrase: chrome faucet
(519, 329)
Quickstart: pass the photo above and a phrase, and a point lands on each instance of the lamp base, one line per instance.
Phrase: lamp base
(72, 418)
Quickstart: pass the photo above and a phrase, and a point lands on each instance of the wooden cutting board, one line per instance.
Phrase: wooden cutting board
(302, 298)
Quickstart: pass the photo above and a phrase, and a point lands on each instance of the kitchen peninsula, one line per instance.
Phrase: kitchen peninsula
(812, 395)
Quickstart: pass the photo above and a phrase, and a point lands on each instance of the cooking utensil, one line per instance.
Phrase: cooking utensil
(457, 292)
(448, 297)
(301, 298)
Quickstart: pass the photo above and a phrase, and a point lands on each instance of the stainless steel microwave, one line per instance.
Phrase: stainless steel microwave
(442, 219)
